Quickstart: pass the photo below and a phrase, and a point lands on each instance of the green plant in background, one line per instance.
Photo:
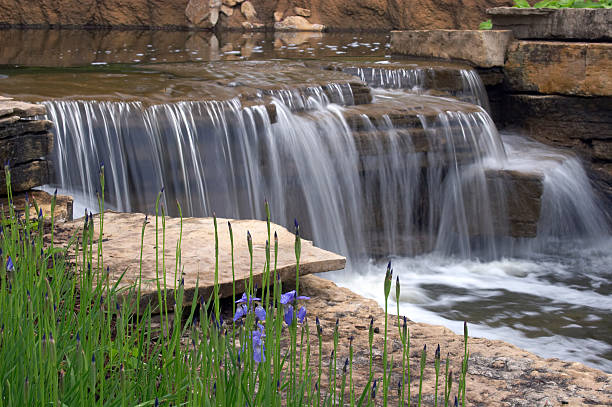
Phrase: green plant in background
(556, 4)
(70, 337)
(485, 25)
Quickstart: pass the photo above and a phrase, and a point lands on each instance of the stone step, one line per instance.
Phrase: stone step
(565, 68)
(555, 24)
(122, 240)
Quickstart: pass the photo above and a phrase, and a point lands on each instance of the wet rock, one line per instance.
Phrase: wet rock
(122, 242)
(567, 68)
(203, 13)
(248, 10)
(484, 48)
(247, 25)
(297, 23)
(547, 23)
(303, 12)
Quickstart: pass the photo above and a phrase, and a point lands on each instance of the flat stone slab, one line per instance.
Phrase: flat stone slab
(63, 205)
(483, 48)
(547, 23)
(566, 68)
(22, 109)
(122, 239)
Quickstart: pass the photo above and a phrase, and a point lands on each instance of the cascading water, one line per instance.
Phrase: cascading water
(366, 185)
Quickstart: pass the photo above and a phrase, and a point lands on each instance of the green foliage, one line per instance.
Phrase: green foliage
(557, 4)
(69, 337)
(485, 25)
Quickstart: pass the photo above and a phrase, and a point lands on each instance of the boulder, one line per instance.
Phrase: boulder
(203, 13)
(558, 24)
(566, 68)
(228, 11)
(122, 241)
(482, 48)
(303, 12)
(278, 16)
(297, 23)
(248, 10)
(229, 3)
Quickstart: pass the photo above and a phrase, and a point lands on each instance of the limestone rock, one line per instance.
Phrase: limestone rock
(21, 109)
(559, 24)
(566, 68)
(26, 147)
(18, 127)
(278, 16)
(499, 373)
(27, 176)
(297, 23)
(483, 48)
(203, 13)
(63, 204)
(122, 242)
(303, 12)
(248, 10)
(247, 25)
(228, 11)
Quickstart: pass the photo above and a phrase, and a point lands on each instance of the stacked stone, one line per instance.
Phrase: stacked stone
(24, 144)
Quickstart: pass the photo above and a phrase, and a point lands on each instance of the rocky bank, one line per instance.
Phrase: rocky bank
(310, 15)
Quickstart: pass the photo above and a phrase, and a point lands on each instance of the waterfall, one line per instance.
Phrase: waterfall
(226, 158)
(465, 84)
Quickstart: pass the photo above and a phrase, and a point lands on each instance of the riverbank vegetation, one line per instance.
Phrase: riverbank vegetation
(70, 337)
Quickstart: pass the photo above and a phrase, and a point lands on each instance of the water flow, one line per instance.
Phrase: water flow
(465, 84)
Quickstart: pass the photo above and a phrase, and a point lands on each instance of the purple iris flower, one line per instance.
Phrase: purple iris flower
(290, 296)
(9, 264)
(260, 313)
(301, 314)
(245, 299)
(289, 315)
(259, 347)
(240, 312)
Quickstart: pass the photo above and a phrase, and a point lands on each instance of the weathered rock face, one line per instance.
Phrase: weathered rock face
(548, 23)
(24, 144)
(336, 14)
(567, 68)
(484, 48)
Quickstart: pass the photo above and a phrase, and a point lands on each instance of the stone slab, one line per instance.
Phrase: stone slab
(122, 241)
(567, 68)
(63, 205)
(483, 48)
(547, 23)
(21, 126)
(522, 197)
(27, 176)
(21, 109)
(26, 147)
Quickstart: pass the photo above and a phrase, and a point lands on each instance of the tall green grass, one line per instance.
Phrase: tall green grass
(70, 337)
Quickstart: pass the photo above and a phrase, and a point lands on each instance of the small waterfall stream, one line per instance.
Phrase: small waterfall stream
(368, 187)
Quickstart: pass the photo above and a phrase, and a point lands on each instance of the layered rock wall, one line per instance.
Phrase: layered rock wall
(248, 14)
